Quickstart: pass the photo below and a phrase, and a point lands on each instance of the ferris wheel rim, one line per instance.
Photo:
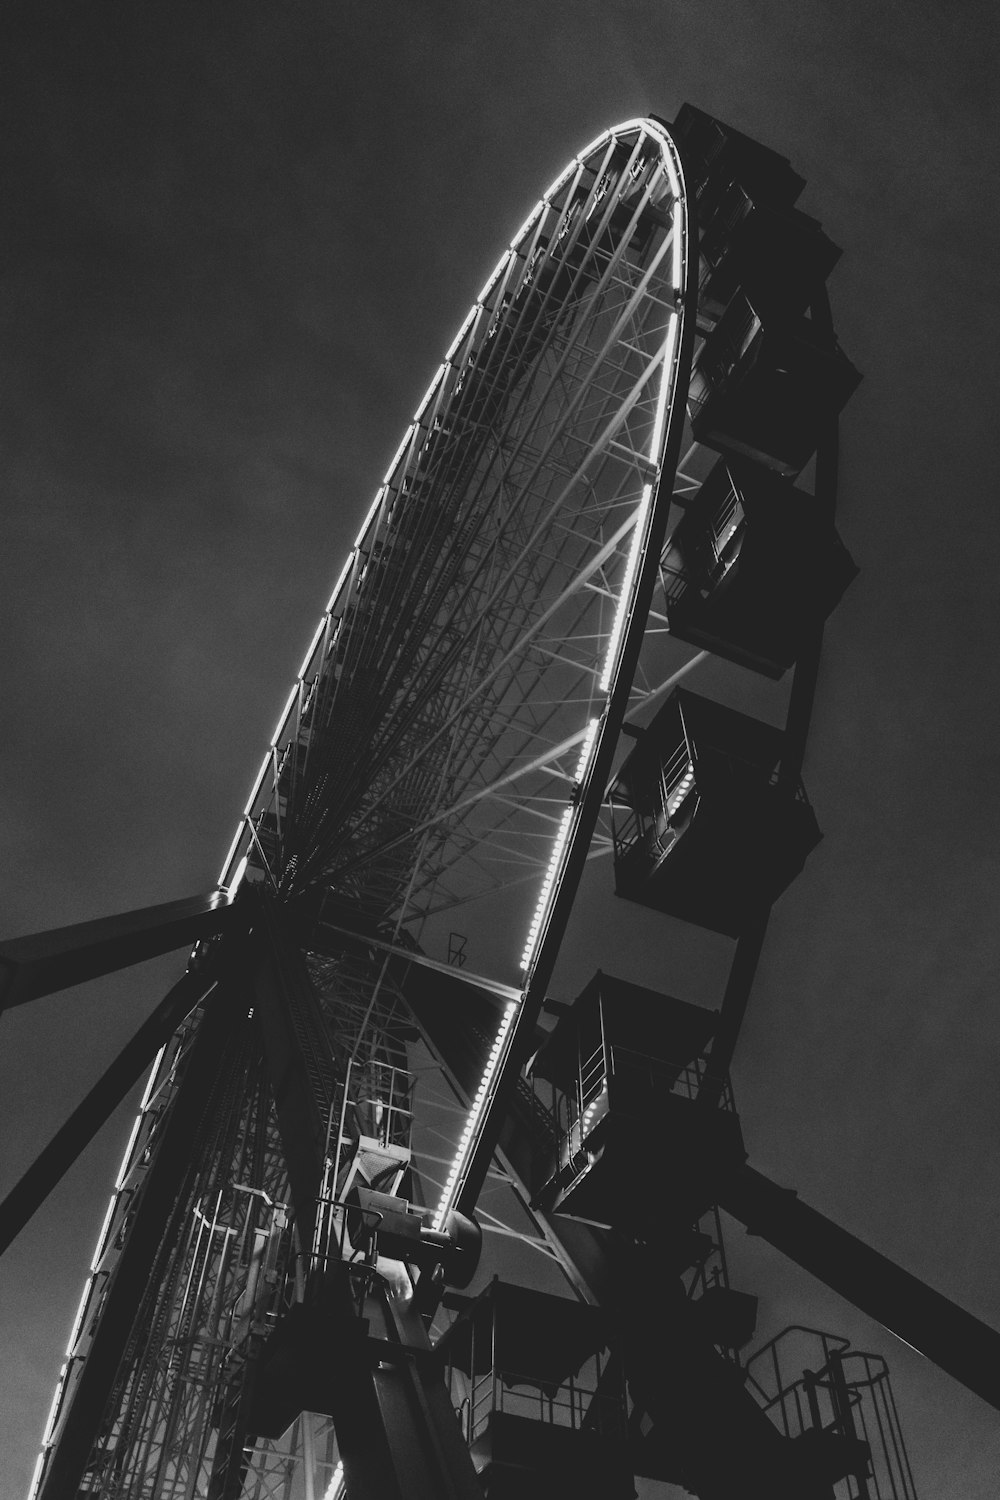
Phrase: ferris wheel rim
(644, 129)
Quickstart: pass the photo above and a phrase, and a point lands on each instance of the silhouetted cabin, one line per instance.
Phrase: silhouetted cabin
(767, 386)
(539, 1395)
(715, 155)
(752, 568)
(704, 826)
(767, 379)
(642, 1133)
(749, 233)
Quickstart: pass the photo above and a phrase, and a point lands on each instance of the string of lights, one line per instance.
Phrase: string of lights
(564, 836)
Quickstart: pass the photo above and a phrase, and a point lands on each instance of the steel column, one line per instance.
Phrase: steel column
(297, 1052)
(934, 1326)
(48, 961)
(88, 1117)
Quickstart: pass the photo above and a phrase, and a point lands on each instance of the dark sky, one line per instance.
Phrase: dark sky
(236, 240)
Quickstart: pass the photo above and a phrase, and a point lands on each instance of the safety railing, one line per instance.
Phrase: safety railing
(845, 1397)
(632, 1071)
(375, 1100)
(613, 1077)
(574, 1404)
(735, 333)
(654, 830)
(627, 829)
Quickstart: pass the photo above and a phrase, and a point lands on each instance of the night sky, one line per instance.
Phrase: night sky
(236, 240)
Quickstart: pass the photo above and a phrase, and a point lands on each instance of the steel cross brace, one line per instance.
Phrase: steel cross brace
(88, 1117)
(31, 967)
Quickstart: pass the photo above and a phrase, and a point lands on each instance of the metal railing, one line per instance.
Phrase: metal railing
(614, 1075)
(643, 836)
(847, 1397)
(660, 1075)
(573, 1404)
(657, 830)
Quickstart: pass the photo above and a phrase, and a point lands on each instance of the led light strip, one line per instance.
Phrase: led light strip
(476, 1113)
(586, 751)
(625, 597)
(78, 1320)
(612, 657)
(88, 1284)
(676, 798)
(666, 383)
(647, 127)
(495, 1060)
(559, 848)
(542, 906)
(334, 1488)
(241, 870)
(591, 1110)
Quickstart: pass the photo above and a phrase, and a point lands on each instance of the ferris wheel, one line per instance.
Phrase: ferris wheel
(623, 470)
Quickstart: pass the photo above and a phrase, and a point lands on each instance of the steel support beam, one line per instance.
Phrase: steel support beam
(88, 1117)
(318, 943)
(419, 1441)
(934, 1326)
(800, 706)
(48, 961)
(735, 1000)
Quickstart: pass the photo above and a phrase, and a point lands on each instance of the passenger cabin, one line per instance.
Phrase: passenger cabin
(715, 155)
(767, 378)
(539, 1395)
(704, 827)
(780, 258)
(643, 1128)
(766, 386)
(749, 233)
(752, 568)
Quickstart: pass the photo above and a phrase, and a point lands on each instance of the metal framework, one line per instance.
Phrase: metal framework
(447, 743)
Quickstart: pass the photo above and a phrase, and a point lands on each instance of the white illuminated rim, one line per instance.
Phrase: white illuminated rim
(124, 1171)
(236, 861)
(234, 867)
(569, 821)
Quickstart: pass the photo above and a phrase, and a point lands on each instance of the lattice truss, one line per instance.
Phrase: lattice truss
(225, 1271)
(429, 740)
(229, 1265)
(157, 1420)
